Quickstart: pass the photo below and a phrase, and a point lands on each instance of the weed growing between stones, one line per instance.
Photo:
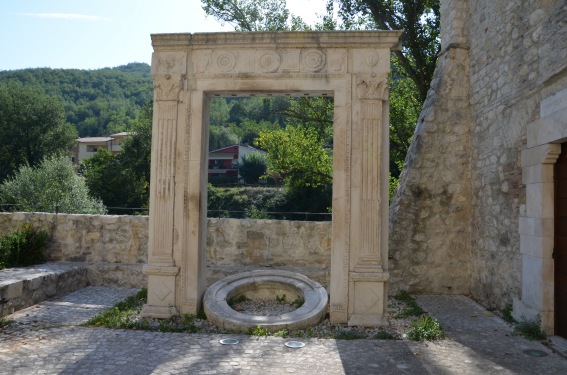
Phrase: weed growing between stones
(530, 329)
(425, 328)
(507, 314)
(411, 307)
(384, 335)
(23, 247)
(343, 334)
(258, 331)
(5, 322)
(125, 315)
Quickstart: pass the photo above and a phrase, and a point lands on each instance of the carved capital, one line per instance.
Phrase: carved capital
(167, 87)
(372, 86)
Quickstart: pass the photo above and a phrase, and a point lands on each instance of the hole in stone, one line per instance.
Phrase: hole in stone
(266, 299)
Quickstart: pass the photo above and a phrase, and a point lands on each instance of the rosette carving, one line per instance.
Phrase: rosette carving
(226, 61)
(269, 62)
(313, 60)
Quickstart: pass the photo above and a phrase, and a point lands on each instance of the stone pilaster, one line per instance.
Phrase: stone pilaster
(169, 72)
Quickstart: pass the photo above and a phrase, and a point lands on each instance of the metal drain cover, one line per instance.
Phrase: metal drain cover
(294, 344)
(535, 353)
(229, 341)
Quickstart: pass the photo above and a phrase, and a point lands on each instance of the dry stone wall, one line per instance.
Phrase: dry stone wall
(120, 244)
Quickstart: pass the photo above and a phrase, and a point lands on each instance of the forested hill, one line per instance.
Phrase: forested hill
(97, 102)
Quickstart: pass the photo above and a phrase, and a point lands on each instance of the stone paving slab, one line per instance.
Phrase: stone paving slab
(74, 308)
(480, 344)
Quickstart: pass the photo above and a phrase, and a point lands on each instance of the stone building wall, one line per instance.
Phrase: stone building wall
(233, 245)
(518, 50)
(470, 137)
(431, 212)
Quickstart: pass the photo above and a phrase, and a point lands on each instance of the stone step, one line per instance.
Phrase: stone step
(24, 287)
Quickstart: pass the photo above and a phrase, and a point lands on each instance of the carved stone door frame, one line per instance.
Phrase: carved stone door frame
(188, 70)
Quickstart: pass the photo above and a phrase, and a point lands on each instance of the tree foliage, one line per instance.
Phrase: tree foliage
(297, 153)
(421, 24)
(97, 102)
(52, 186)
(252, 167)
(253, 15)
(122, 181)
(32, 127)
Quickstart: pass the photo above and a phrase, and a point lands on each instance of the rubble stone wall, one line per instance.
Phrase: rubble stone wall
(454, 221)
(232, 244)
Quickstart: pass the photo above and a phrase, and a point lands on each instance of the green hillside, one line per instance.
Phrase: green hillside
(97, 102)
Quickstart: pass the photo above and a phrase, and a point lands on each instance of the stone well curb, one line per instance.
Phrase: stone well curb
(221, 314)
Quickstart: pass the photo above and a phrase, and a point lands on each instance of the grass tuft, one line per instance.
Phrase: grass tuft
(425, 329)
(383, 335)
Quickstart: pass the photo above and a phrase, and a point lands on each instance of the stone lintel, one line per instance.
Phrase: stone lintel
(160, 270)
(543, 154)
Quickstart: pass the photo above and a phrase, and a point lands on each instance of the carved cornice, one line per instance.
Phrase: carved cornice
(305, 39)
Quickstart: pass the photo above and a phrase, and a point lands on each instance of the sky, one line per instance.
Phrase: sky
(92, 34)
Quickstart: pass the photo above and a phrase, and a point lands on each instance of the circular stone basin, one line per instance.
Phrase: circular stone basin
(266, 284)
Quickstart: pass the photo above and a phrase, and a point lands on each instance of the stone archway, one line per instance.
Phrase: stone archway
(188, 69)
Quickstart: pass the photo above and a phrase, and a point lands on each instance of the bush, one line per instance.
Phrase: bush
(51, 186)
(23, 248)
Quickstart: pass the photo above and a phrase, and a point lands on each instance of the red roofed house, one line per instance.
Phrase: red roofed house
(224, 161)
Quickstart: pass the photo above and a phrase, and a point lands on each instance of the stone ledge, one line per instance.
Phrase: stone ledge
(27, 286)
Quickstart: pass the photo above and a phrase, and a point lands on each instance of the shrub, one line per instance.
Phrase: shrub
(24, 247)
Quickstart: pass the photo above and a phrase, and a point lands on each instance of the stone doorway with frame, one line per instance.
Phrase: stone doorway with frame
(538, 224)
(188, 70)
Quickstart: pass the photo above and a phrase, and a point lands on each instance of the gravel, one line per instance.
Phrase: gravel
(398, 326)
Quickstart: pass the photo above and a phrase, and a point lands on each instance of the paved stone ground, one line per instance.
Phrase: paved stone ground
(43, 342)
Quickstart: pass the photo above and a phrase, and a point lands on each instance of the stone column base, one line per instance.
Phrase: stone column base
(368, 299)
(161, 292)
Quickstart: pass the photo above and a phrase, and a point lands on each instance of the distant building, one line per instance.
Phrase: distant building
(224, 161)
(88, 146)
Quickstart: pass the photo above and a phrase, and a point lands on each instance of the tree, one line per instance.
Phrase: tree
(32, 127)
(136, 154)
(298, 155)
(252, 15)
(221, 136)
(420, 40)
(123, 181)
(252, 167)
(52, 186)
